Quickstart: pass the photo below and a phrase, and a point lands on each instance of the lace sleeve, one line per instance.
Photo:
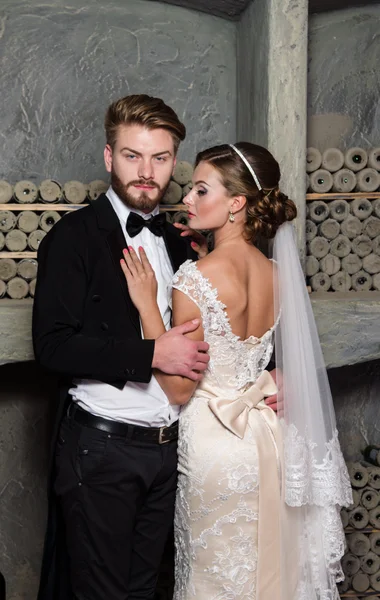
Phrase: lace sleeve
(189, 280)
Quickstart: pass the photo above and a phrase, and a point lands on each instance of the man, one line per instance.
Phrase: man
(114, 472)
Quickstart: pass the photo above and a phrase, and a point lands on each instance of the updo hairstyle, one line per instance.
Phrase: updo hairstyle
(266, 209)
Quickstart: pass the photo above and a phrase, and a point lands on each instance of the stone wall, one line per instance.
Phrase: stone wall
(272, 81)
(252, 59)
(356, 393)
(344, 78)
(26, 402)
(63, 63)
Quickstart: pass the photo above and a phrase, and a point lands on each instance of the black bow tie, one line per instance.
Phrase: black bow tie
(135, 224)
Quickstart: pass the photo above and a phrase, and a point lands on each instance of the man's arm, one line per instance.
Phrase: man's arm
(58, 317)
(62, 345)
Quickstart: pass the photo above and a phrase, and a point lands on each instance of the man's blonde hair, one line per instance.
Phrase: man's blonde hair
(140, 109)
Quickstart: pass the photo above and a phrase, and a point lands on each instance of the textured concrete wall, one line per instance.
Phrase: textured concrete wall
(272, 79)
(356, 393)
(348, 326)
(252, 74)
(62, 63)
(344, 78)
(25, 401)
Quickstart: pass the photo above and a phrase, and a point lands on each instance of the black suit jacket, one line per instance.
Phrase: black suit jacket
(85, 326)
(84, 323)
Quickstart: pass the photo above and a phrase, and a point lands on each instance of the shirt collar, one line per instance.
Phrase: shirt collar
(122, 210)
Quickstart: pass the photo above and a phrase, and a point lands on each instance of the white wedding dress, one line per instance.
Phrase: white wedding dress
(217, 507)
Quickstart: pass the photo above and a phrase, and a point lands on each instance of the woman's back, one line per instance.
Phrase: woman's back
(243, 277)
(234, 292)
(217, 506)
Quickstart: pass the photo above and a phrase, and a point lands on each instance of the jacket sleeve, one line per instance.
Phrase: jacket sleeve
(59, 342)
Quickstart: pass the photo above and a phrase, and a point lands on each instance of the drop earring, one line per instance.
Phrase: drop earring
(231, 217)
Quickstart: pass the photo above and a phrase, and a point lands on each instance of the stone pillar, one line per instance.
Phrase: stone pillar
(272, 84)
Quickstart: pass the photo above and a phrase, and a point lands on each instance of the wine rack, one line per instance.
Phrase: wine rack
(361, 562)
(28, 212)
(343, 241)
(60, 208)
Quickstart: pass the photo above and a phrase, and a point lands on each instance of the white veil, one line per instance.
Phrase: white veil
(315, 479)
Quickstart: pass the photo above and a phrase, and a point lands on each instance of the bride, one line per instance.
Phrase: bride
(258, 499)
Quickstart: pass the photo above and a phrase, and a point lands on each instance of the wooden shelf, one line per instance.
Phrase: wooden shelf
(364, 530)
(43, 207)
(30, 254)
(172, 207)
(368, 594)
(341, 196)
(68, 207)
(60, 208)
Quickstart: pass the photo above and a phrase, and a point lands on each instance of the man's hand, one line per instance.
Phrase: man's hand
(275, 402)
(176, 354)
(198, 243)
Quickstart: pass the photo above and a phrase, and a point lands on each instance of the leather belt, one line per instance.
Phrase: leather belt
(155, 435)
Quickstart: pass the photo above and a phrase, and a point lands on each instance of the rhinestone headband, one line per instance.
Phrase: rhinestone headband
(247, 165)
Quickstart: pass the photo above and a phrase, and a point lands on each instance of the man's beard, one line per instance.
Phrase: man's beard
(142, 202)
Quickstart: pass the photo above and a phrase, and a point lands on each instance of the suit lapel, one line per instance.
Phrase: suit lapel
(116, 244)
(178, 248)
(109, 223)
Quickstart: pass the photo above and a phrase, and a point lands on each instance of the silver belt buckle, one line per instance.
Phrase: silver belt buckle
(160, 435)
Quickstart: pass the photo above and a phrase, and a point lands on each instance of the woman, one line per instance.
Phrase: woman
(257, 511)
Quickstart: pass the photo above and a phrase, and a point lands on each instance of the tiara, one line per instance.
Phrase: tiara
(245, 161)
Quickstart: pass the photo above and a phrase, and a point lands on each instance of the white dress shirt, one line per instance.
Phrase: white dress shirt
(138, 403)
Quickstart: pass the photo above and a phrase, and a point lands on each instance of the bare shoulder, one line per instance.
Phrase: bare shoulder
(234, 271)
(223, 272)
(214, 266)
(218, 264)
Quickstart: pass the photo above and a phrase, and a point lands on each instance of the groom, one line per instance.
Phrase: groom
(113, 476)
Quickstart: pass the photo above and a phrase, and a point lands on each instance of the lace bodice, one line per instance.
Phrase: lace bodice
(234, 363)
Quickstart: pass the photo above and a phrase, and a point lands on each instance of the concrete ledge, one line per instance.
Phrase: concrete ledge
(348, 325)
(16, 330)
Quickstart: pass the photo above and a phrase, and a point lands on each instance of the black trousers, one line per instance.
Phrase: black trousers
(117, 497)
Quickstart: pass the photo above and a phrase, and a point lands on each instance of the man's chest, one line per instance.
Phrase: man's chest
(107, 289)
(156, 252)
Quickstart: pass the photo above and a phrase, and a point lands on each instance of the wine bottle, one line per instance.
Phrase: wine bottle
(371, 454)
(25, 192)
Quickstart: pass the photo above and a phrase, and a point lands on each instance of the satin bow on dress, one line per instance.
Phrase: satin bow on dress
(250, 410)
(234, 414)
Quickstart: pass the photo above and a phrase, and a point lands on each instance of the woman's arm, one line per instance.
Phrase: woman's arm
(180, 389)
(142, 287)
